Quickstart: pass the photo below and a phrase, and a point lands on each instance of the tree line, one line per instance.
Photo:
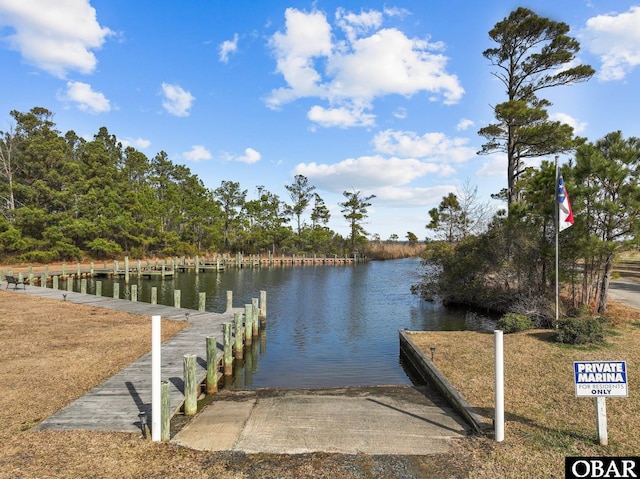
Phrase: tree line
(506, 262)
(65, 198)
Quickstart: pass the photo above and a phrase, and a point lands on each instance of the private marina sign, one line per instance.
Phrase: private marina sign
(600, 378)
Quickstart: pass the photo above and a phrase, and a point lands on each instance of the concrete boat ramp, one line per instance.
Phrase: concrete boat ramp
(398, 420)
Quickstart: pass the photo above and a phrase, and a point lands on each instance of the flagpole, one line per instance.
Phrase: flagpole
(557, 224)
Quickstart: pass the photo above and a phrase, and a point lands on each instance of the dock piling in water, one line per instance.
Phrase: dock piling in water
(239, 335)
(212, 365)
(228, 346)
(190, 385)
(248, 324)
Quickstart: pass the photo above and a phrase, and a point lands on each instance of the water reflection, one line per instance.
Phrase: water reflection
(326, 325)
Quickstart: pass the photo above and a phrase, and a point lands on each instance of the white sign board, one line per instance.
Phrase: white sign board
(600, 378)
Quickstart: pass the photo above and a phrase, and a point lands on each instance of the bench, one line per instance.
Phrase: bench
(15, 282)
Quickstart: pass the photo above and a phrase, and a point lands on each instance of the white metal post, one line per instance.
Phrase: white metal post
(601, 420)
(156, 378)
(499, 371)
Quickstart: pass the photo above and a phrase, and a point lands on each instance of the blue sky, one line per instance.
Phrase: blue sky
(384, 97)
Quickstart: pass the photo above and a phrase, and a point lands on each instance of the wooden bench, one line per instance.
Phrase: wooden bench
(15, 282)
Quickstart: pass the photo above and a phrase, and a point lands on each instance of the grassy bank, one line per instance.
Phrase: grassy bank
(381, 251)
(544, 420)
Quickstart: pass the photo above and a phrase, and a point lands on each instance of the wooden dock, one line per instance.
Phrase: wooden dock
(115, 404)
(167, 268)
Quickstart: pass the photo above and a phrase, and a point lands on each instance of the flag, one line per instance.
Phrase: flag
(565, 214)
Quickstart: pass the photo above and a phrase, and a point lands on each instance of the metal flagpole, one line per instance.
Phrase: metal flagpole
(557, 223)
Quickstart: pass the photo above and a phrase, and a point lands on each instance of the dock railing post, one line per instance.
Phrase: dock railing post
(248, 324)
(239, 334)
(190, 385)
(263, 307)
(228, 357)
(165, 411)
(202, 301)
(212, 365)
(176, 298)
(254, 315)
(229, 301)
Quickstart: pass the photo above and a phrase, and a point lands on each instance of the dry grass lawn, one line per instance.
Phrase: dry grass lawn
(544, 421)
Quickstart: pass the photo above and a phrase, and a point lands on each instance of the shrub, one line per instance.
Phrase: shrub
(514, 323)
(580, 331)
(37, 257)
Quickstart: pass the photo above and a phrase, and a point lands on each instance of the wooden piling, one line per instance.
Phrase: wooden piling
(126, 270)
(116, 290)
(263, 307)
(176, 298)
(229, 301)
(165, 411)
(70, 283)
(248, 324)
(83, 285)
(228, 358)
(202, 301)
(134, 292)
(55, 282)
(98, 288)
(190, 385)
(239, 348)
(254, 316)
(154, 295)
(212, 365)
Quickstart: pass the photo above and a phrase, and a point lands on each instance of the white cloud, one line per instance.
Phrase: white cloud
(351, 73)
(578, 126)
(197, 153)
(464, 124)
(307, 36)
(55, 36)
(615, 38)
(227, 48)
(177, 101)
(411, 197)
(355, 25)
(342, 117)
(436, 146)
(85, 98)
(250, 156)
(138, 143)
(365, 172)
(496, 165)
(401, 113)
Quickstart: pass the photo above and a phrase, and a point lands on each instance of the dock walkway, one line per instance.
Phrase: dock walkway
(115, 404)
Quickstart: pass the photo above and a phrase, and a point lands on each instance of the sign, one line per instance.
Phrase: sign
(601, 378)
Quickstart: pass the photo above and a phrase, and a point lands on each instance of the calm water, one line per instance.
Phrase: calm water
(326, 325)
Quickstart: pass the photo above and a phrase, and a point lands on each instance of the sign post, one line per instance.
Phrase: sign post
(601, 379)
